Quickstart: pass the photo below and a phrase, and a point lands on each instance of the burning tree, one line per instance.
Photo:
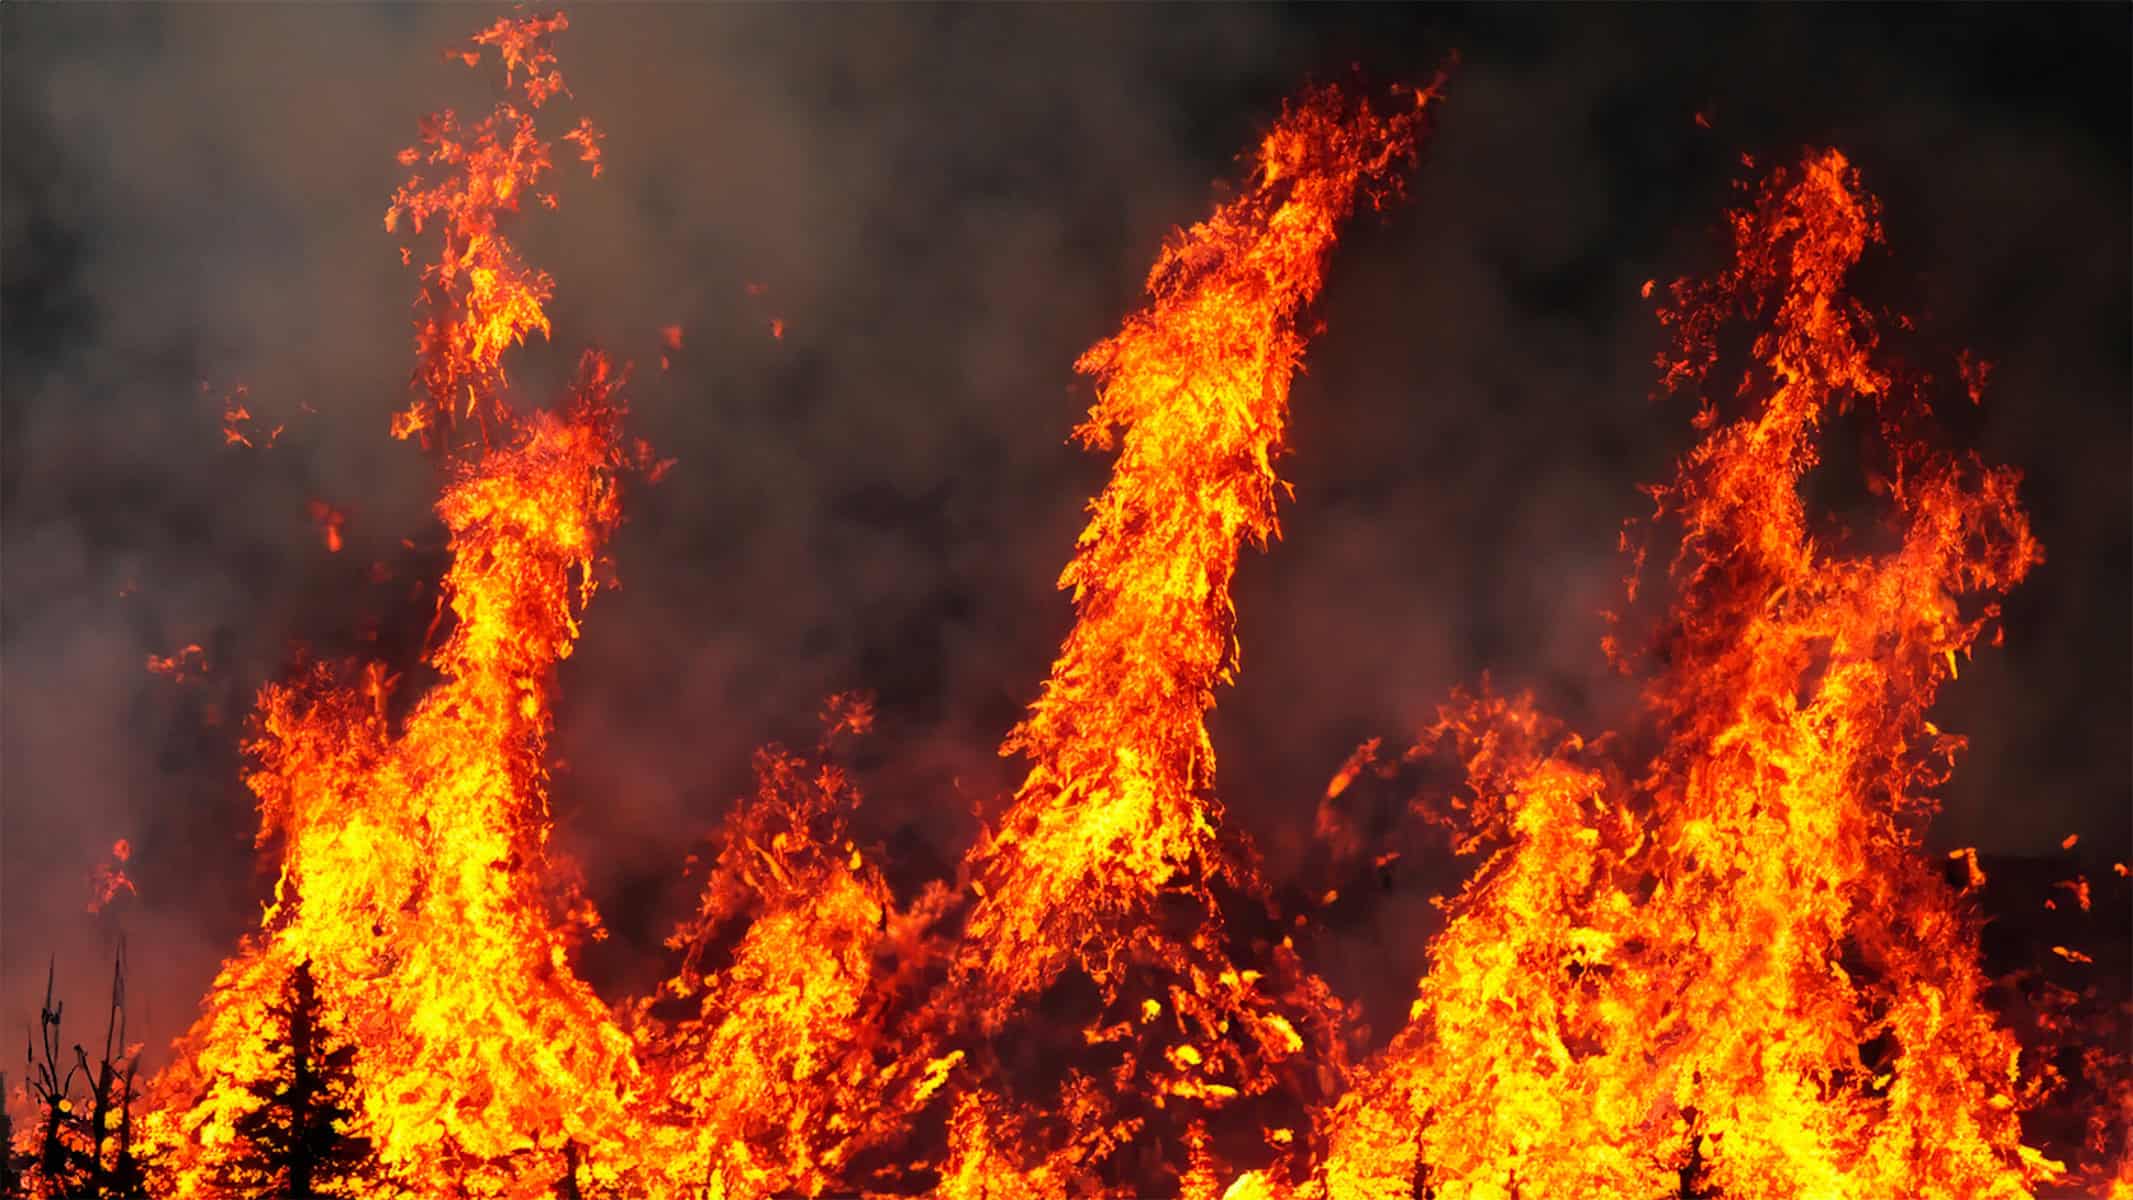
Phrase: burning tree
(299, 1138)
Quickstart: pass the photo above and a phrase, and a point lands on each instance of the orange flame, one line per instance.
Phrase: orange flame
(330, 521)
(1731, 966)
(1119, 803)
(1726, 969)
(1117, 819)
(415, 875)
(482, 298)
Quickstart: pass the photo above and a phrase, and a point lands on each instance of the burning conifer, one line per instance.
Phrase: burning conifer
(298, 1140)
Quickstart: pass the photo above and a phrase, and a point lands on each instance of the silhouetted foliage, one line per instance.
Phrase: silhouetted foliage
(10, 1174)
(297, 1141)
(1694, 1174)
(567, 1188)
(84, 1146)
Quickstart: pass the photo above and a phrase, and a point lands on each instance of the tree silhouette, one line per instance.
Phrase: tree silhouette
(84, 1147)
(1694, 1172)
(296, 1141)
(10, 1176)
(566, 1187)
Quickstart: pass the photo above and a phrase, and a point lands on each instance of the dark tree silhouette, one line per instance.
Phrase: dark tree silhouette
(566, 1188)
(1418, 1186)
(1694, 1173)
(10, 1175)
(297, 1141)
(84, 1146)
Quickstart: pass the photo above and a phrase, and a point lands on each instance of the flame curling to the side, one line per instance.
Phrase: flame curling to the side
(1119, 802)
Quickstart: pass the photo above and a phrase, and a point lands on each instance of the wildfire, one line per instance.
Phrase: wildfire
(804, 1050)
(1115, 835)
(483, 299)
(1729, 969)
(1119, 801)
(415, 876)
(1723, 967)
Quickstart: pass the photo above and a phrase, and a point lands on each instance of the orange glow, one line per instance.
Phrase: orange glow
(482, 298)
(329, 521)
(238, 428)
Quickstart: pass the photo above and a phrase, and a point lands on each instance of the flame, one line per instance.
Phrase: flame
(1727, 967)
(1730, 967)
(482, 298)
(415, 875)
(802, 1051)
(1111, 859)
(235, 417)
(1118, 804)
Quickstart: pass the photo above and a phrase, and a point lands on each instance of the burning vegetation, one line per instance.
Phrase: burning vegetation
(1705, 955)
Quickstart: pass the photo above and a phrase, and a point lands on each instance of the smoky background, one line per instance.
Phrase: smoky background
(943, 207)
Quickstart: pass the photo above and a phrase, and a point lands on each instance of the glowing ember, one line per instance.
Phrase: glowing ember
(189, 663)
(110, 878)
(330, 521)
(238, 428)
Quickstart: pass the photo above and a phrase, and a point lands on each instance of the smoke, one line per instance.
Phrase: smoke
(944, 207)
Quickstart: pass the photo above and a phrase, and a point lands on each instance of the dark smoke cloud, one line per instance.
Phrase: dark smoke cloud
(945, 206)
